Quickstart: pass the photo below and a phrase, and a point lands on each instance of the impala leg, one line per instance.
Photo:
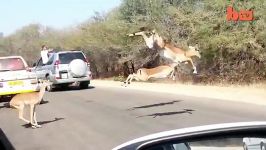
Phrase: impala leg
(174, 71)
(20, 113)
(133, 76)
(31, 116)
(194, 67)
(173, 75)
(33, 120)
(17, 107)
(127, 80)
(34, 117)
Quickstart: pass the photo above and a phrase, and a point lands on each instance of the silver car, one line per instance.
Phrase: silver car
(65, 68)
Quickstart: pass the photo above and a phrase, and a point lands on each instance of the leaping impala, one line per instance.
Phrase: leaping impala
(145, 74)
(168, 50)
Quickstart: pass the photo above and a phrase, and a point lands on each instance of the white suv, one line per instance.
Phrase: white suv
(64, 68)
(15, 76)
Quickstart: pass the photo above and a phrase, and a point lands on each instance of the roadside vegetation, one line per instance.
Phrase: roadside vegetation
(232, 52)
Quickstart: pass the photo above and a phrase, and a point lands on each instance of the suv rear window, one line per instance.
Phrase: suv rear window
(66, 58)
(11, 64)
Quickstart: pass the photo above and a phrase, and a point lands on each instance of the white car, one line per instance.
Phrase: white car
(15, 76)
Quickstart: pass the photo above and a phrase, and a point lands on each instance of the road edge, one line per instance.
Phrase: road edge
(237, 94)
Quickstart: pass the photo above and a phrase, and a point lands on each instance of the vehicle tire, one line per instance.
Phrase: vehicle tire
(64, 86)
(84, 85)
(50, 88)
(263, 146)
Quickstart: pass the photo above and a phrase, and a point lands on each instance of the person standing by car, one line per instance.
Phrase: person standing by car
(45, 53)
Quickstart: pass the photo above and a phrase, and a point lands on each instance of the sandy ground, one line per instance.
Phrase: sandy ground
(255, 94)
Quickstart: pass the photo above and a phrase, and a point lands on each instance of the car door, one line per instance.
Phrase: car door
(40, 70)
(49, 66)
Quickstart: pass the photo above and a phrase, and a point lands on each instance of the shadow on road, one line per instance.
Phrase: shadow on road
(155, 105)
(43, 122)
(43, 102)
(71, 88)
(88, 101)
(5, 105)
(5, 99)
(188, 111)
(5, 144)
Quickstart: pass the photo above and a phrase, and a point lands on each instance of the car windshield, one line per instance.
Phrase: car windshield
(66, 58)
(11, 64)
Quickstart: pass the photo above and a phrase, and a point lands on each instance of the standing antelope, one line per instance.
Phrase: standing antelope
(145, 74)
(32, 99)
(168, 50)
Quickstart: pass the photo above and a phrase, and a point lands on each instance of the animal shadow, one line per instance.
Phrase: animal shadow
(5, 99)
(88, 101)
(43, 122)
(5, 105)
(154, 115)
(155, 105)
(43, 102)
(71, 88)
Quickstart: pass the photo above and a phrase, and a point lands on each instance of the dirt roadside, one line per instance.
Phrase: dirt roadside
(248, 94)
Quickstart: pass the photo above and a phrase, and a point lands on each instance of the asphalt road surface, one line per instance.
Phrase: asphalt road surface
(101, 118)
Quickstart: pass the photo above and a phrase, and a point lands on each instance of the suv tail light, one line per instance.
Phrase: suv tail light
(57, 62)
(28, 69)
(87, 61)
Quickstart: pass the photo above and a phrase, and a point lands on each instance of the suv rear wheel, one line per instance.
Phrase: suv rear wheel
(64, 86)
(84, 85)
(50, 88)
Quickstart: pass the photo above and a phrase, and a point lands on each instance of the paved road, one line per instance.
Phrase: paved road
(101, 118)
